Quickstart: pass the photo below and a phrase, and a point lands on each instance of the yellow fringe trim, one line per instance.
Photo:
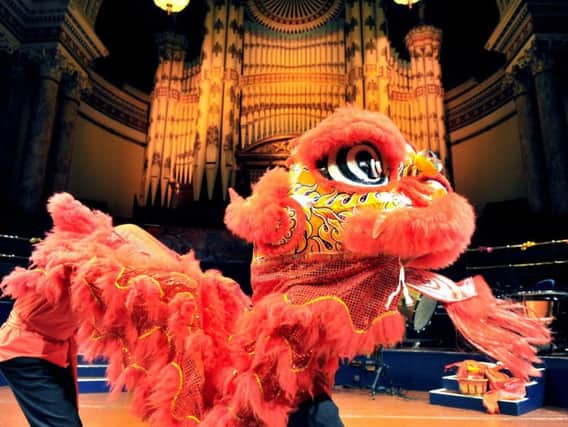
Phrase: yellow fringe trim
(138, 367)
(344, 305)
(149, 332)
(93, 294)
(128, 283)
(292, 369)
(257, 378)
(179, 390)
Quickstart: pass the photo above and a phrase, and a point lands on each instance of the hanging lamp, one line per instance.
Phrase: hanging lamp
(406, 2)
(172, 6)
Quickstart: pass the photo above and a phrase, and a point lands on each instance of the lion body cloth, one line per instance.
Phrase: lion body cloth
(357, 219)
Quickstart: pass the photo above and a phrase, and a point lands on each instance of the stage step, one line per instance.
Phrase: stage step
(93, 385)
(92, 376)
(449, 395)
(95, 370)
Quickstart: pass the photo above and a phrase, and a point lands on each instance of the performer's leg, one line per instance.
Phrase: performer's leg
(319, 412)
(45, 392)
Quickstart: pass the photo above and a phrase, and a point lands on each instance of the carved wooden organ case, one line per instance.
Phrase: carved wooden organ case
(271, 69)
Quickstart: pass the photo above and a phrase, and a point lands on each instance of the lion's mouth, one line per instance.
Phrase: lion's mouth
(430, 236)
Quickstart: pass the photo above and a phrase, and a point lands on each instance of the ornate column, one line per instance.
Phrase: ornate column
(355, 92)
(205, 84)
(552, 126)
(72, 86)
(212, 140)
(531, 143)
(163, 132)
(231, 96)
(424, 43)
(38, 141)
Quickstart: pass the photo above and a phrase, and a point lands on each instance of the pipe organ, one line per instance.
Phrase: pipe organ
(270, 70)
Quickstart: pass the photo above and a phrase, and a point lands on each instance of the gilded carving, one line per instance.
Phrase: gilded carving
(213, 135)
(236, 28)
(51, 62)
(285, 85)
(285, 15)
(218, 26)
(74, 85)
(351, 50)
(540, 58)
(235, 52)
(370, 46)
(350, 26)
(228, 146)
(156, 159)
(217, 48)
(515, 82)
(370, 22)
(171, 47)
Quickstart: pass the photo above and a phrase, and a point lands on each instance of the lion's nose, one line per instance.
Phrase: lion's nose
(438, 188)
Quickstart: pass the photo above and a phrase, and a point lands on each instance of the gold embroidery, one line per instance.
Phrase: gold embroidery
(344, 305)
(149, 332)
(138, 367)
(92, 291)
(178, 392)
(128, 282)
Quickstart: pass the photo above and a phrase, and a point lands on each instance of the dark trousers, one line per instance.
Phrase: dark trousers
(45, 392)
(319, 412)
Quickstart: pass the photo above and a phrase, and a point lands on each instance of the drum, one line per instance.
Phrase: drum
(540, 304)
(419, 313)
(547, 304)
(427, 323)
(425, 307)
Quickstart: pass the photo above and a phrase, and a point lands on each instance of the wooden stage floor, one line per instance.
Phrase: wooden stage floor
(357, 409)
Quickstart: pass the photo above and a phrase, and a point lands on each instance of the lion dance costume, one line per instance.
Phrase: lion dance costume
(358, 218)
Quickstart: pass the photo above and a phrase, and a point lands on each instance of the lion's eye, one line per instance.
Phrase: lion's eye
(357, 165)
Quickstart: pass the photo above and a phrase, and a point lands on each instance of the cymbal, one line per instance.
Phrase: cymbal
(548, 294)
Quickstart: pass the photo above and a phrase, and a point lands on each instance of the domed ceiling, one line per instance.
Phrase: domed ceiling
(293, 16)
(466, 27)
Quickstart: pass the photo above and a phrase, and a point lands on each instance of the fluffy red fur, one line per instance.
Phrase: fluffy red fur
(120, 307)
(424, 237)
(193, 348)
(263, 218)
(132, 309)
(325, 327)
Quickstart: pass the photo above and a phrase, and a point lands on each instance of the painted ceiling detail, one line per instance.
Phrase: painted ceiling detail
(293, 16)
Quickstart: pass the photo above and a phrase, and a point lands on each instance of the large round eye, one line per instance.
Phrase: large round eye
(357, 165)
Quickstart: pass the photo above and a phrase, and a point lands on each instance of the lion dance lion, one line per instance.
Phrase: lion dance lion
(356, 220)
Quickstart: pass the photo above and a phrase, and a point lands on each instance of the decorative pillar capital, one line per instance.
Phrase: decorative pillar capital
(538, 57)
(542, 62)
(424, 41)
(51, 67)
(8, 44)
(171, 46)
(517, 81)
(50, 63)
(74, 85)
(508, 84)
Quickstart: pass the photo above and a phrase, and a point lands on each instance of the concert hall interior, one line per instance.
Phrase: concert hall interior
(152, 110)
